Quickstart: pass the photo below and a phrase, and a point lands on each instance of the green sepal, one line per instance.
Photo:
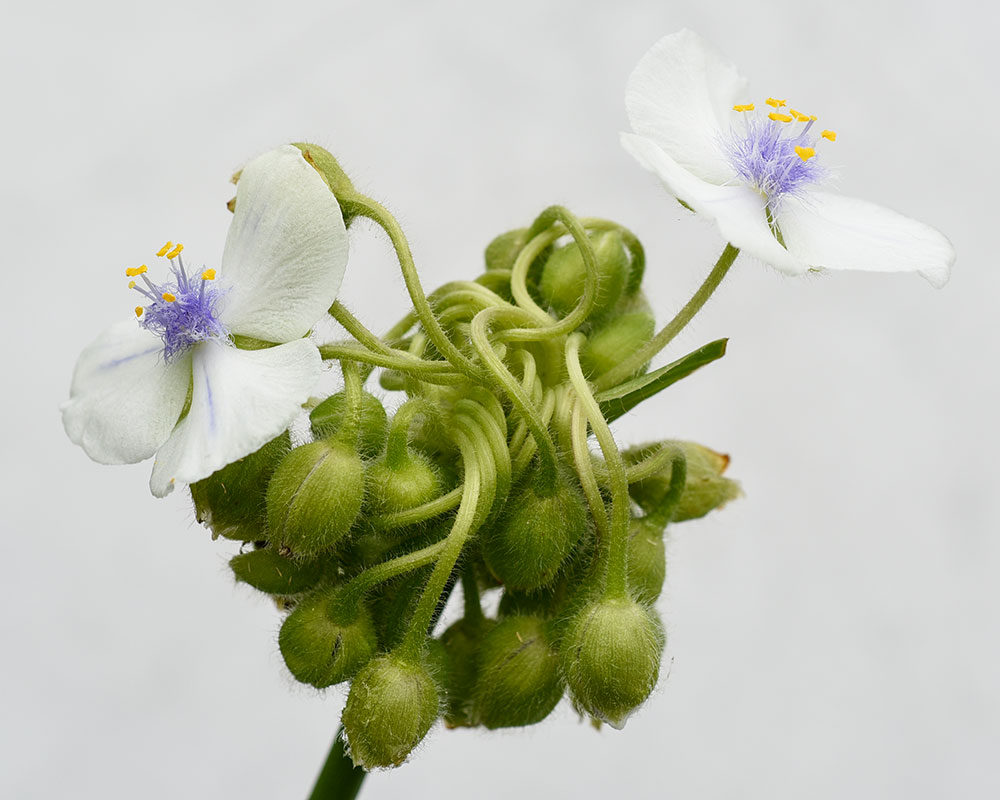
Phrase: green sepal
(623, 398)
(267, 570)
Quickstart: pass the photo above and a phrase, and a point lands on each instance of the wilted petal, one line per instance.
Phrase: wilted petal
(738, 210)
(124, 400)
(681, 95)
(241, 400)
(835, 232)
(286, 250)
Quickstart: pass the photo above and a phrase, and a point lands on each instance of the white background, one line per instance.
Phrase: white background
(831, 635)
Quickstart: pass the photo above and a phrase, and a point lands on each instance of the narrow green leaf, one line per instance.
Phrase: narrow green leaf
(625, 396)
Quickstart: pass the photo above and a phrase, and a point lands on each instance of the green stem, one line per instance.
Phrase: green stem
(429, 510)
(379, 214)
(630, 365)
(339, 779)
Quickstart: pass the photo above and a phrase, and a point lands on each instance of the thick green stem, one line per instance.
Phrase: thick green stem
(339, 779)
(630, 365)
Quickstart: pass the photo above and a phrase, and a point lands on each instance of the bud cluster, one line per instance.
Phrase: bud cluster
(484, 475)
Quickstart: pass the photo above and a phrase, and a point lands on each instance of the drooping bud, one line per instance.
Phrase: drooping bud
(528, 543)
(268, 570)
(327, 638)
(647, 560)
(403, 483)
(328, 417)
(392, 705)
(519, 680)
(461, 643)
(611, 657)
(620, 336)
(231, 501)
(314, 497)
(564, 274)
(503, 251)
(705, 489)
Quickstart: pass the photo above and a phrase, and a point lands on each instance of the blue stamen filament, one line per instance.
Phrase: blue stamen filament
(181, 312)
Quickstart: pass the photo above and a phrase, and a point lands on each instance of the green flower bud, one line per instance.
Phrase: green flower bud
(393, 605)
(503, 251)
(519, 680)
(402, 483)
(327, 639)
(314, 497)
(392, 704)
(328, 417)
(564, 274)
(647, 560)
(704, 488)
(611, 657)
(267, 570)
(231, 501)
(460, 644)
(534, 535)
(618, 337)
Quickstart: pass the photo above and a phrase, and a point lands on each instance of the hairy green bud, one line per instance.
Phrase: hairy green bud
(327, 639)
(267, 570)
(611, 657)
(460, 644)
(620, 336)
(647, 560)
(519, 680)
(314, 497)
(231, 500)
(564, 274)
(392, 705)
(535, 534)
(402, 483)
(328, 417)
(705, 488)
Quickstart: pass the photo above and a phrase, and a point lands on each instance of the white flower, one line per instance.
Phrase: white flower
(281, 270)
(755, 173)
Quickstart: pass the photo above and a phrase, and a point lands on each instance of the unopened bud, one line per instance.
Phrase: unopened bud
(519, 680)
(619, 337)
(402, 483)
(647, 560)
(328, 418)
(611, 657)
(314, 497)
(392, 705)
(564, 274)
(460, 645)
(267, 570)
(705, 488)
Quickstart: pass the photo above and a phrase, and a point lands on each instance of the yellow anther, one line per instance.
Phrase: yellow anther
(805, 153)
(831, 135)
(799, 116)
(138, 311)
(176, 251)
(208, 275)
(774, 102)
(744, 107)
(170, 298)
(165, 249)
(131, 284)
(812, 118)
(779, 117)
(132, 272)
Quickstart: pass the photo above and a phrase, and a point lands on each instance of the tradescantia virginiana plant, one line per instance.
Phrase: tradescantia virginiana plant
(483, 475)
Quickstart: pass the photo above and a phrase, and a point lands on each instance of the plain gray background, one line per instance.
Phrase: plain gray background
(831, 635)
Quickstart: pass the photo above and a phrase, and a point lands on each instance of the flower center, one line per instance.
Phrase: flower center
(775, 153)
(182, 312)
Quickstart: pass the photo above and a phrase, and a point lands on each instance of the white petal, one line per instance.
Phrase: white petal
(738, 210)
(286, 250)
(241, 400)
(835, 232)
(124, 400)
(681, 95)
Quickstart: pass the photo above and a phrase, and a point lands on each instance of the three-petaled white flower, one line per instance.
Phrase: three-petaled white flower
(756, 175)
(281, 269)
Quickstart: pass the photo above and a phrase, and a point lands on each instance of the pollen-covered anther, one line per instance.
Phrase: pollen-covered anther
(165, 249)
(168, 297)
(779, 117)
(799, 116)
(132, 272)
(208, 275)
(138, 311)
(175, 252)
(131, 284)
(829, 135)
(743, 107)
(775, 102)
(805, 153)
